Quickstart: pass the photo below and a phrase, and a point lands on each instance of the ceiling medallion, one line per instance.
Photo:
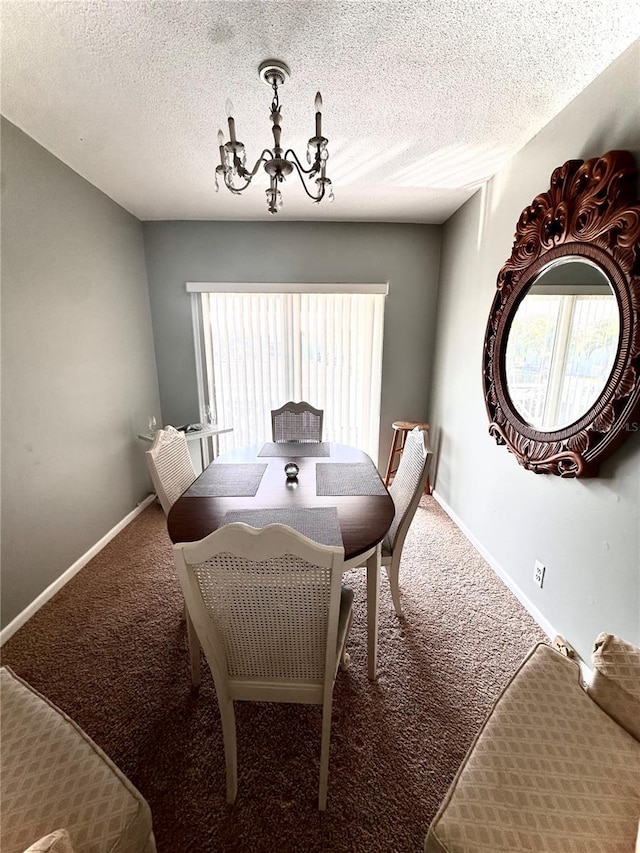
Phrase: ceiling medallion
(278, 164)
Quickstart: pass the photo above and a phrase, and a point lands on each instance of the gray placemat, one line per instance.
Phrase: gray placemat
(293, 449)
(347, 478)
(318, 523)
(228, 480)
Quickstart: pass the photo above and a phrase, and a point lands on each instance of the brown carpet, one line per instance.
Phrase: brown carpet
(110, 649)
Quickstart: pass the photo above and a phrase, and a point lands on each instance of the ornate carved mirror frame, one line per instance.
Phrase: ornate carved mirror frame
(589, 212)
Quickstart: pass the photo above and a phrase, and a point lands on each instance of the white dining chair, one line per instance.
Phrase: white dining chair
(406, 489)
(170, 466)
(272, 616)
(172, 472)
(297, 422)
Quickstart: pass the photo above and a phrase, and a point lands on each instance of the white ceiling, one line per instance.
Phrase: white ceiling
(423, 99)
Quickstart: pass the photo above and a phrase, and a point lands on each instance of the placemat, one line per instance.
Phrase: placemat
(228, 480)
(295, 448)
(347, 478)
(317, 523)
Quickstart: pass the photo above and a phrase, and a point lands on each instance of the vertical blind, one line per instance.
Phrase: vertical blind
(260, 350)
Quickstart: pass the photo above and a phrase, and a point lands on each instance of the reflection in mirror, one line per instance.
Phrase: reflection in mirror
(562, 344)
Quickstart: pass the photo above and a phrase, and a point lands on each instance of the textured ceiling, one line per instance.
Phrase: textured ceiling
(422, 100)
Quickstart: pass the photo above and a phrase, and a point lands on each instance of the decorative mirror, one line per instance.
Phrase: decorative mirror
(561, 363)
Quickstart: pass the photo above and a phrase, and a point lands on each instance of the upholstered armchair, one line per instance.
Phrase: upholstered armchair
(60, 793)
(556, 766)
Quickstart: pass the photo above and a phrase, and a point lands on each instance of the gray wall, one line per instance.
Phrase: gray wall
(407, 256)
(78, 368)
(587, 532)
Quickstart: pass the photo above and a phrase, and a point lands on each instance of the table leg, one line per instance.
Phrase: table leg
(373, 599)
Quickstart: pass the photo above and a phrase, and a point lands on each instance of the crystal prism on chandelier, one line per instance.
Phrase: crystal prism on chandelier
(277, 165)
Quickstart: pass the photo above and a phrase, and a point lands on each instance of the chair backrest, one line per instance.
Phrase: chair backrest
(408, 484)
(297, 422)
(170, 466)
(265, 605)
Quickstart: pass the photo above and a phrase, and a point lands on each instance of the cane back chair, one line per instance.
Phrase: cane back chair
(297, 422)
(272, 616)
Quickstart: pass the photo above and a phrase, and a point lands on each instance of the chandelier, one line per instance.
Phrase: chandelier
(278, 164)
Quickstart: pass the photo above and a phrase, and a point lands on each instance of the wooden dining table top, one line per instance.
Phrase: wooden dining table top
(364, 519)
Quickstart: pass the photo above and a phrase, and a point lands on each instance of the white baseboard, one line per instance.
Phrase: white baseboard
(66, 576)
(526, 602)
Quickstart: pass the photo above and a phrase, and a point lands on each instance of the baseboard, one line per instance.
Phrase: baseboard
(66, 576)
(526, 602)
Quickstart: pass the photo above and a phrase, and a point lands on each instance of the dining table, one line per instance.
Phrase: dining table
(337, 498)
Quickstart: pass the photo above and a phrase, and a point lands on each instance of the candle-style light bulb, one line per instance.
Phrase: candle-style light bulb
(318, 106)
(221, 146)
(230, 120)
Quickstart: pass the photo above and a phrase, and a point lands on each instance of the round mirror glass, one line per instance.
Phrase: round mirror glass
(562, 344)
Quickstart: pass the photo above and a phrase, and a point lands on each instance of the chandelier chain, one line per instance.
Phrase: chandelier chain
(275, 103)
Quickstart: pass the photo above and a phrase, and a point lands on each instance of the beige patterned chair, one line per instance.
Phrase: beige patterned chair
(59, 791)
(555, 767)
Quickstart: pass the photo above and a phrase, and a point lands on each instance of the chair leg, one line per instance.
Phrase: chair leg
(194, 650)
(393, 573)
(345, 657)
(373, 606)
(324, 752)
(228, 718)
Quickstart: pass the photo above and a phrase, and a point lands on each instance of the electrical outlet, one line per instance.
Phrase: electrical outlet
(538, 573)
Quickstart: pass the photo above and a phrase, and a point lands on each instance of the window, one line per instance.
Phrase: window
(259, 346)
